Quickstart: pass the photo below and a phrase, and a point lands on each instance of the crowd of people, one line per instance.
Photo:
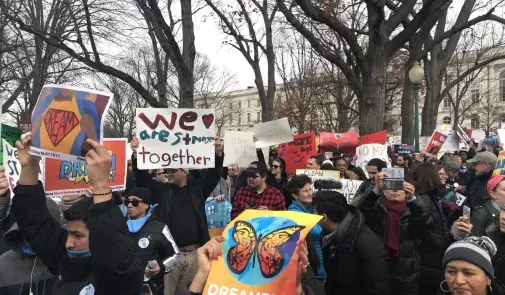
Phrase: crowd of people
(153, 238)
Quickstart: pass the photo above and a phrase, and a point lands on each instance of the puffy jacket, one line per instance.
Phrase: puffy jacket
(113, 269)
(404, 271)
(354, 259)
(483, 217)
(434, 242)
(314, 233)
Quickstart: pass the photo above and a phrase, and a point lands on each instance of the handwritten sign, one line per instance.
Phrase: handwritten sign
(338, 142)
(320, 174)
(297, 152)
(63, 177)
(273, 132)
(349, 188)
(175, 138)
(436, 142)
(239, 148)
(12, 166)
(368, 152)
(259, 253)
(64, 117)
(11, 135)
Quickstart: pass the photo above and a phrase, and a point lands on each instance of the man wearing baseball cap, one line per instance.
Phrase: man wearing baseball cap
(483, 166)
(257, 194)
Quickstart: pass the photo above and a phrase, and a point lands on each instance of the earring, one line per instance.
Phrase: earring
(490, 289)
(442, 287)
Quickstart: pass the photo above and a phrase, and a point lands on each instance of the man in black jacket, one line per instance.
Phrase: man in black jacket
(94, 255)
(182, 208)
(483, 165)
(373, 168)
(152, 239)
(353, 256)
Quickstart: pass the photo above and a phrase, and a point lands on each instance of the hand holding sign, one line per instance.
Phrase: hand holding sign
(409, 190)
(99, 162)
(134, 144)
(219, 146)
(303, 262)
(4, 183)
(205, 255)
(25, 158)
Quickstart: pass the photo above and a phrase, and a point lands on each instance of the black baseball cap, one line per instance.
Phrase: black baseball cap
(257, 167)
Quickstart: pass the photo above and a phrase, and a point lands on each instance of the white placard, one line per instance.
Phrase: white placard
(451, 144)
(320, 174)
(501, 135)
(12, 166)
(239, 148)
(175, 138)
(368, 152)
(273, 132)
(349, 188)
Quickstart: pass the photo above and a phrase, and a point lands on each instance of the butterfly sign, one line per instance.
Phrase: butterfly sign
(259, 253)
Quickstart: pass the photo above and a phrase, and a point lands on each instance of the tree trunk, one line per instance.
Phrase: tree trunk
(408, 107)
(429, 114)
(186, 80)
(342, 119)
(373, 101)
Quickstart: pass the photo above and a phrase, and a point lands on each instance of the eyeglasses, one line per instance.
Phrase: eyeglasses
(276, 166)
(135, 203)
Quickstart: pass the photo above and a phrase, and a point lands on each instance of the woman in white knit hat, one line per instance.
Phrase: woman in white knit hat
(468, 269)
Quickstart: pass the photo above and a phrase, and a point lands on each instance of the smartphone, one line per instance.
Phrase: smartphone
(466, 212)
(394, 179)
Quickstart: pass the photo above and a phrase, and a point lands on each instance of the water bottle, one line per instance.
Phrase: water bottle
(151, 265)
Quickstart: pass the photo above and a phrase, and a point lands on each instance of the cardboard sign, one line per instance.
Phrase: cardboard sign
(401, 150)
(239, 148)
(297, 153)
(63, 177)
(368, 152)
(175, 138)
(436, 142)
(12, 166)
(11, 135)
(64, 117)
(273, 132)
(451, 144)
(345, 143)
(259, 253)
(499, 169)
(378, 138)
(349, 188)
(320, 174)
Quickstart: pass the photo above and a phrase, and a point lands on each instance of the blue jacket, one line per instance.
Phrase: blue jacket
(314, 234)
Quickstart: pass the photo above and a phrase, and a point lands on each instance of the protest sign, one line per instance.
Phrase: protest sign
(63, 177)
(370, 151)
(501, 135)
(259, 253)
(239, 148)
(64, 117)
(175, 138)
(478, 135)
(349, 188)
(272, 133)
(436, 142)
(320, 174)
(464, 138)
(395, 140)
(345, 143)
(12, 166)
(451, 144)
(297, 152)
(404, 150)
(11, 135)
(378, 137)
(500, 165)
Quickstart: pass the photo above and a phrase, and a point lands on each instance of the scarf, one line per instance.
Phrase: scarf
(24, 247)
(392, 231)
(76, 254)
(134, 225)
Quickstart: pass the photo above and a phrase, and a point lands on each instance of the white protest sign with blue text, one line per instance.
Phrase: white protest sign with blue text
(239, 148)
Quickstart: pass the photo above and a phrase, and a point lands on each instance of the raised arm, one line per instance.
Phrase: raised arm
(211, 178)
(142, 177)
(5, 196)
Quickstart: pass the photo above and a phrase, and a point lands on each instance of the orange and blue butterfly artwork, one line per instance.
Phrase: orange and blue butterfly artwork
(259, 253)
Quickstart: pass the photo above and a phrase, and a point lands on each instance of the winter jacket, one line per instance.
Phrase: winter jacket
(199, 189)
(476, 190)
(434, 242)
(404, 271)
(113, 268)
(354, 259)
(484, 216)
(314, 233)
(358, 197)
(499, 258)
(153, 241)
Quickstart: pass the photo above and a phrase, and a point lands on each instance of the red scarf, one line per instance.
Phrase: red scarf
(392, 230)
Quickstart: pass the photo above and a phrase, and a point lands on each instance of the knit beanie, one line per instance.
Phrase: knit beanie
(475, 250)
(143, 193)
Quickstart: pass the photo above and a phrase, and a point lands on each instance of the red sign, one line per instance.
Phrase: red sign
(344, 143)
(435, 144)
(378, 138)
(297, 152)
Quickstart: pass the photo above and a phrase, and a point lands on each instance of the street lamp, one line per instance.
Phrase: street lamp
(416, 75)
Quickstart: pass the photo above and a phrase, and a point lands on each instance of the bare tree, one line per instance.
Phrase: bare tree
(485, 115)
(249, 25)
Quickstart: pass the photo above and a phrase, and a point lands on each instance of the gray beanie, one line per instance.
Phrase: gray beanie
(475, 250)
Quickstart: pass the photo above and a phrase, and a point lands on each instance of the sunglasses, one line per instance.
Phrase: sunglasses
(135, 203)
(161, 173)
(276, 166)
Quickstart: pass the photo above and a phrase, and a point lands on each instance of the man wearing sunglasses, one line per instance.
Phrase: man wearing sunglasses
(257, 194)
(181, 206)
(152, 239)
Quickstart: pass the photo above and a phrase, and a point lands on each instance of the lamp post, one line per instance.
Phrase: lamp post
(416, 75)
